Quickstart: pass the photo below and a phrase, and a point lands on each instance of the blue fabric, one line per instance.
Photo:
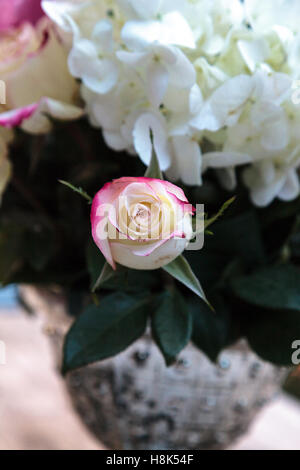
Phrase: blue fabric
(8, 297)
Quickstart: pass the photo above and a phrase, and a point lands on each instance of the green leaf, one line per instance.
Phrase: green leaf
(171, 325)
(275, 287)
(207, 266)
(105, 330)
(238, 236)
(125, 279)
(77, 190)
(235, 239)
(280, 210)
(77, 300)
(181, 270)
(294, 239)
(212, 332)
(271, 334)
(153, 170)
(95, 262)
(106, 274)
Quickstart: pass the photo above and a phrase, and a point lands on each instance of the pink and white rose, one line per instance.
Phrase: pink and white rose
(141, 223)
(33, 66)
(15, 12)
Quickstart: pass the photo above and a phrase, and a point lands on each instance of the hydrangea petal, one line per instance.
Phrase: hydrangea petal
(225, 105)
(145, 125)
(173, 29)
(225, 159)
(157, 83)
(187, 162)
(291, 188)
(182, 73)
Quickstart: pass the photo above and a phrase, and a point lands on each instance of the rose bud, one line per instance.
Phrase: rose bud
(141, 223)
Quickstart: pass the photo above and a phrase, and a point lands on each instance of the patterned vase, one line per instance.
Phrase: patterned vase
(134, 402)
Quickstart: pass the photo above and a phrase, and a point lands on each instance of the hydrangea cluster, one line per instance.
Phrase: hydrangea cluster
(185, 76)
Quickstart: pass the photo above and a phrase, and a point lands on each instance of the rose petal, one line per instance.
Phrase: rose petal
(15, 117)
(33, 118)
(161, 256)
(104, 200)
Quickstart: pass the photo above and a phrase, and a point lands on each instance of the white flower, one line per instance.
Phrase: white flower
(273, 178)
(163, 65)
(225, 105)
(268, 14)
(152, 124)
(189, 168)
(152, 49)
(91, 60)
(253, 52)
(171, 29)
(140, 9)
(167, 75)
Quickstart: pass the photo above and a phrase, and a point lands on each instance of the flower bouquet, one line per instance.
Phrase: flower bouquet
(132, 131)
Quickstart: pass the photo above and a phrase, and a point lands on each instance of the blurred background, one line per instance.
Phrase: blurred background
(36, 414)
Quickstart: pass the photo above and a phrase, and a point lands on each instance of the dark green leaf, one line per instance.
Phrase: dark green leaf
(212, 331)
(95, 261)
(124, 279)
(105, 330)
(207, 266)
(280, 210)
(294, 240)
(171, 325)
(106, 275)
(275, 287)
(181, 270)
(239, 236)
(77, 300)
(271, 334)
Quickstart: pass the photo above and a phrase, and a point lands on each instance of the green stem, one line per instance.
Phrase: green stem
(77, 190)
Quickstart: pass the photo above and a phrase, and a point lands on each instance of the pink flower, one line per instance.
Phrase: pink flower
(16, 12)
(141, 223)
(33, 66)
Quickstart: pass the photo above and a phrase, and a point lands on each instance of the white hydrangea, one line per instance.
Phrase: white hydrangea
(175, 74)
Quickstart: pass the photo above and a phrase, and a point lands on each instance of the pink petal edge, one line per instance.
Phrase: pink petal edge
(15, 117)
(111, 191)
(143, 179)
(106, 195)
